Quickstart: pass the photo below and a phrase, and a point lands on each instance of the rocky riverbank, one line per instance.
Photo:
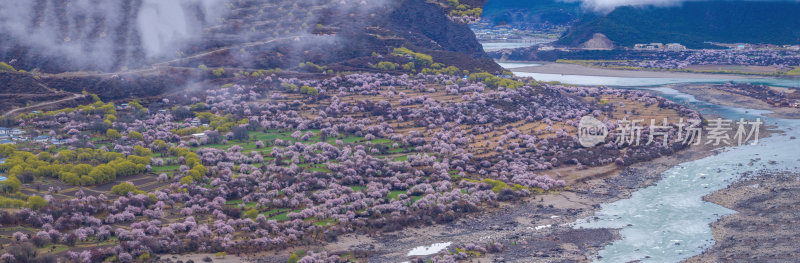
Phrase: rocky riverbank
(764, 229)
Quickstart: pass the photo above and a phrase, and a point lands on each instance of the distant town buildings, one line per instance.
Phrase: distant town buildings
(659, 46)
(651, 46)
(675, 46)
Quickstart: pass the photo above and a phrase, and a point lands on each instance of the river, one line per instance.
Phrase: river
(639, 82)
(669, 221)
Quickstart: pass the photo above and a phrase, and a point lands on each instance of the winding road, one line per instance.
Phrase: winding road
(73, 97)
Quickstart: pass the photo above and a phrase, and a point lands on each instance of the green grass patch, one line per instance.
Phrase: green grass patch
(50, 250)
(401, 158)
(319, 169)
(321, 222)
(393, 195)
(167, 168)
(238, 202)
(357, 188)
(381, 141)
(279, 214)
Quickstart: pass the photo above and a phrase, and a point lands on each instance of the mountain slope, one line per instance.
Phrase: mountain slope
(75, 49)
(130, 34)
(693, 23)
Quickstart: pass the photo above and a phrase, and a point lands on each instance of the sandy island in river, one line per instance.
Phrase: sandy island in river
(572, 69)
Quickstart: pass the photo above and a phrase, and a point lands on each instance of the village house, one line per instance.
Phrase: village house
(123, 106)
(7, 141)
(4, 130)
(195, 122)
(16, 131)
(547, 48)
(42, 138)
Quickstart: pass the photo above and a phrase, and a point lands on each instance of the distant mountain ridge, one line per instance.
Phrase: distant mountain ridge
(539, 11)
(693, 24)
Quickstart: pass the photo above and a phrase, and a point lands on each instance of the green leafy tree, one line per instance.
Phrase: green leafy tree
(123, 188)
(135, 135)
(113, 134)
(10, 185)
(35, 202)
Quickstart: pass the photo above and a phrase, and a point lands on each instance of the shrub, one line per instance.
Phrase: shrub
(6, 67)
(112, 134)
(312, 68)
(386, 65)
(309, 90)
(419, 58)
(124, 188)
(219, 72)
(35, 202)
